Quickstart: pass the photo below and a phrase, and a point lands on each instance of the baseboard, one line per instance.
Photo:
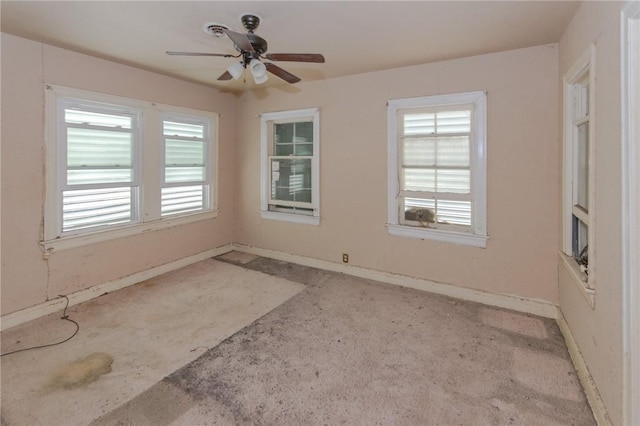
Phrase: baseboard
(521, 304)
(589, 386)
(51, 306)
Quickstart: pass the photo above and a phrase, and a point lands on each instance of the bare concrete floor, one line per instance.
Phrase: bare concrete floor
(249, 340)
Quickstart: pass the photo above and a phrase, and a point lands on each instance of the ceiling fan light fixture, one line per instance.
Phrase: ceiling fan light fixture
(258, 70)
(250, 48)
(236, 70)
(260, 80)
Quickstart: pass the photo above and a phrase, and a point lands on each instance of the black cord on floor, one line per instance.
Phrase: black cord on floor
(64, 317)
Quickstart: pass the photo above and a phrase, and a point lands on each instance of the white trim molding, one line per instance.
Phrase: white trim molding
(589, 386)
(54, 305)
(72, 241)
(630, 86)
(521, 304)
(577, 278)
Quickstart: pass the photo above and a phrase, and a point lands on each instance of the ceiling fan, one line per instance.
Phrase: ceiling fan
(252, 49)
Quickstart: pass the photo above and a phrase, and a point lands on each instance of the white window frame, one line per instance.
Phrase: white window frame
(207, 137)
(149, 169)
(477, 235)
(64, 103)
(585, 65)
(266, 126)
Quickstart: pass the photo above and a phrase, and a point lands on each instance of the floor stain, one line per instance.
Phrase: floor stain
(81, 372)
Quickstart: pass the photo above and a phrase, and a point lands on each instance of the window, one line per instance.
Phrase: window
(118, 166)
(578, 163)
(437, 168)
(99, 183)
(290, 166)
(185, 186)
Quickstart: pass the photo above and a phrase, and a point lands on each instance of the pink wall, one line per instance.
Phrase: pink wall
(523, 195)
(598, 329)
(28, 279)
(522, 174)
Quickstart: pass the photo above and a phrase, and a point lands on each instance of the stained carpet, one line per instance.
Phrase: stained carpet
(351, 351)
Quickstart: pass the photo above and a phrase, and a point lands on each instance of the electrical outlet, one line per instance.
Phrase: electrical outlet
(345, 258)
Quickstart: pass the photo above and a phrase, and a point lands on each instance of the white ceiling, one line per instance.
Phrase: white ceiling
(354, 36)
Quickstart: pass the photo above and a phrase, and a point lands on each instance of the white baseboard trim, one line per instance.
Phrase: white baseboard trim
(51, 306)
(516, 303)
(593, 396)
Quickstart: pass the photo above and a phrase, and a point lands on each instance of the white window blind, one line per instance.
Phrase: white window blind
(435, 165)
(186, 144)
(99, 159)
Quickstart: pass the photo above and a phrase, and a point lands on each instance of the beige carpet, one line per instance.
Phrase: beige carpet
(352, 351)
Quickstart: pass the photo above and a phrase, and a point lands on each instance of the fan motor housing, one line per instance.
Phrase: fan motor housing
(259, 44)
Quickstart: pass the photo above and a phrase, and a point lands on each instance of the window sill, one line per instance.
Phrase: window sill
(438, 235)
(79, 240)
(287, 217)
(579, 278)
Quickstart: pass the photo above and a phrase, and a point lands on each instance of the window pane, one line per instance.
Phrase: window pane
(437, 180)
(96, 208)
(184, 153)
(456, 181)
(419, 152)
(97, 119)
(580, 236)
(284, 149)
(97, 176)
(99, 156)
(304, 149)
(186, 130)
(292, 182)
(303, 131)
(446, 211)
(419, 124)
(454, 212)
(419, 203)
(453, 122)
(184, 174)
(429, 151)
(91, 148)
(419, 180)
(284, 133)
(294, 139)
(582, 184)
(453, 151)
(182, 199)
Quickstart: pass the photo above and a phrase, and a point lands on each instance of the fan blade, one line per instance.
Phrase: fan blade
(225, 76)
(240, 40)
(295, 57)
(285, 75)
(224, 55)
